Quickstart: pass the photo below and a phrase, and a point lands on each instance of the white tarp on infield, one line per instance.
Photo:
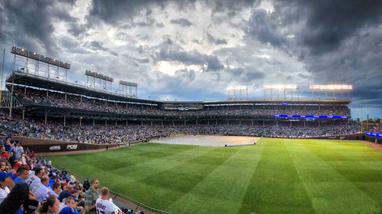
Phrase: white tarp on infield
(207, 140)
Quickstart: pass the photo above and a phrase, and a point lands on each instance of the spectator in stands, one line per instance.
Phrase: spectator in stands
(66, 192)
(3, 166)
(18, 197)
(42, 192)
(6, 183)
(34, 179)
(91, 196)
(56, 189)
(19, 151)
(4, 153)
(50, 206)
(70, 207)
(22, 174)
(105, 205)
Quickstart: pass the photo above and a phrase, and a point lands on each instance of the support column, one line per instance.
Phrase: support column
(46, 117)
(64, 120)
(80, 121)
(11, 102)
(23, 114)
(127, 123)
(116, 123)
(105, 122)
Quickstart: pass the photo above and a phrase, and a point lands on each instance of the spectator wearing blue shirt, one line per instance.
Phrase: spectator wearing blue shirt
(22, 174)
(70, 207)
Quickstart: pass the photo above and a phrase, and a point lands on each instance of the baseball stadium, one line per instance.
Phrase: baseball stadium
(79, 139)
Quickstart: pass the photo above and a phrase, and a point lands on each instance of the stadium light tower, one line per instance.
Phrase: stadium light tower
(38, 64)
(105, 82)
(332, 90)
(278, 88)
(237, 93)
(128, 89)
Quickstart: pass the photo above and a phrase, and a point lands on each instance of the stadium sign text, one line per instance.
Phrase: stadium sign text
(72, 147)
(54, 148)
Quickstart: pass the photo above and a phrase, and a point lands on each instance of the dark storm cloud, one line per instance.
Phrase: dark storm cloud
(330, 22)
(170, 51)
(29, 23)
(245, 76)
(96, 45)
(262, 28)
(113, 11)
(76, 29)
(229, 5)
(182, 22)
(191, 58)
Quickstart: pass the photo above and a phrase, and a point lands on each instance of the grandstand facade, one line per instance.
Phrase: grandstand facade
(55, 101)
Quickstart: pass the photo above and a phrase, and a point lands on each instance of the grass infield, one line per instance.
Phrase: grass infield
(275, 176)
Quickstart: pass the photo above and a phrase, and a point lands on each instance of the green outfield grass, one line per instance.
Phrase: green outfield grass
(275, 176)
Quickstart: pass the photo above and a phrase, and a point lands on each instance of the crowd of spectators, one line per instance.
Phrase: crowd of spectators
(377, 127)
(56, 99)
(126, 134)
(29, 184)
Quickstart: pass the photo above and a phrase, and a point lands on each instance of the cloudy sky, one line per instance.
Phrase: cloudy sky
(194, 50)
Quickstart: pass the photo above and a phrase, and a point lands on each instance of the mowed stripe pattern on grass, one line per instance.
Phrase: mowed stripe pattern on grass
(275, 176)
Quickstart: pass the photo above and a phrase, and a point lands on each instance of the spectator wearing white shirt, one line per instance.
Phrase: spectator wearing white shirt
(5, 182)
(19, 151)
(105, 205)
(34, 179)
(42, 192)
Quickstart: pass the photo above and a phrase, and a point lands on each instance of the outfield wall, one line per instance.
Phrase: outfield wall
(47, 145)
(52, 146)
(373, 139)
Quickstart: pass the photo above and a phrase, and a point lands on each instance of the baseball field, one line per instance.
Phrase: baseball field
(274, 176)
